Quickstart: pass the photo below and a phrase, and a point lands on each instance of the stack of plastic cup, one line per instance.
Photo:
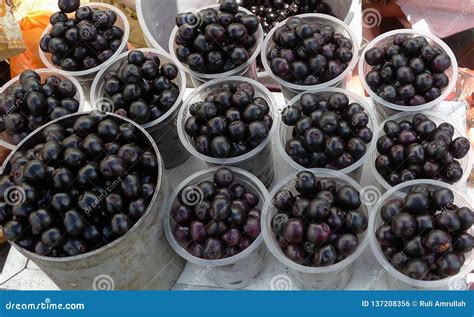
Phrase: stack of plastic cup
(248, 69)
(384, 108)
(85, 77)
(5, 139)
(290, 90)
(335, 276)
(258, 161)
(236, 271)
(354, 170)
(163, 129)
(396, 279)
(466, 162)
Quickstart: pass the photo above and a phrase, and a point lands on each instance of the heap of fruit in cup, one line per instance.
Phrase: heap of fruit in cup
(80, 186)
(424, 235)
(141, 88)
(327, 132)
(83, 41)
(321, 223)
(270, 12)
(407, 72)
(30, 104)
(230, 121)
(420, 149)
(216, 218)
(216, 40)
(308, 53)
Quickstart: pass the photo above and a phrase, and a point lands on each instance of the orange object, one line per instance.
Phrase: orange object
(32, 26)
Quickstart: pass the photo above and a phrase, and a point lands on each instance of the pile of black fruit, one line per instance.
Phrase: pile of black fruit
(270, 12)
(83, 41)
(80, 187)
(408, 72)
(216, 218)
(216, 40)
(321, 224)
(230, 122)
(308, 53)
(30, 104)
(424, 235)
(327, 132)
(140, 88)
(420, 149)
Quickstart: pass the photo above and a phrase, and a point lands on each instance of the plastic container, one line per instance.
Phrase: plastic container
(258, 161)
(332, 277)
(290, 90)
(385, 109)
(140, 259)
(354, 170)
(163, 129)
(396, 279)
(248, 69)
(5, 139)
(466, 162)
(236, 271)
(85, 77)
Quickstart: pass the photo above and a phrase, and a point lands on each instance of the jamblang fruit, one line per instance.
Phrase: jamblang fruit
(216, 40)
(216, 218)
(85, 185)
(82, 40)
(419, 149)
(407, 72)
(321, 224)
(307, 53)
(424, 235)
(327, 132)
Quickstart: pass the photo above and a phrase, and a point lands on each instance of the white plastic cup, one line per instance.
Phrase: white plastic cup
(248, 69)
(236, 271)
(85, 77)
(290, 90)
(332, 277)
(6, 140)
(354, 170)
(384, 108)
(163, 129)
(258, 161)
(466, 162)
(396, 279)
